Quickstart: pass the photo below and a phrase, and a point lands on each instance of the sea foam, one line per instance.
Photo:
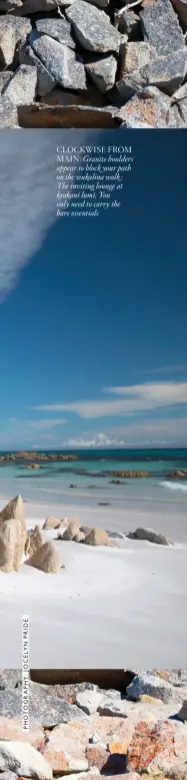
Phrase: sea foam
(174, 485)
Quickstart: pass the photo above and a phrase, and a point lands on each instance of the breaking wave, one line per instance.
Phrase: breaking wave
(174, 485)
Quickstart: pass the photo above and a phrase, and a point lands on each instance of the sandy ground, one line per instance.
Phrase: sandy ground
(109, 608)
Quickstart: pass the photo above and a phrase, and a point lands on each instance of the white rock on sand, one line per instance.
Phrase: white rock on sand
(50, 522)
(46, 558)
(11, 545)
(14, 509)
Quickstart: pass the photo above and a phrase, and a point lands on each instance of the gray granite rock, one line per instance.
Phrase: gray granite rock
(39, 689)
(92, 27)
(150, 685)
(175, 118)
(131, 84)
(133, 123)
(179, 102)
(65, 66)
(9, 678)
(89, 701)
(21, 89)
(148, 534)
(168, 73)
(59, 29)
(161, 27)
(128, 22)
(113, 708)
(10, 703)
(45, 82)
(134, 56)
(12, 32)
(45, 708)
(23, 758)
(8, 775)
(178, 96)
(8, 113)
(133, 61)
(178, 677)
(50, 710)
(149, 108)
(111, 693)
(102, 71)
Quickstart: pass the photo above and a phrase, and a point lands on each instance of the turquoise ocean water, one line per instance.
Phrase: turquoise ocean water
(91, 480)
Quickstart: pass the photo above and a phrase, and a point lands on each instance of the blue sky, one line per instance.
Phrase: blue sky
(93, 312)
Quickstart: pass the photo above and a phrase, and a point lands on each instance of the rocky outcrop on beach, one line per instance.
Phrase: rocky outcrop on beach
(46, 558)
(8, 456)
(133, 474)
(86, 729)
(179, 473)
(12, 535)
(43, 456)
(104, 63)
(34, 541)
(16, 544)
(11, 545)
(71, 531)
(97, 537)
(147, 534)
(14, 509)
(33, 466)
(33, 456)
(50, 522)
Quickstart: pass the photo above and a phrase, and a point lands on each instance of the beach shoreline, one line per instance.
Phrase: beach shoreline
(167, 517)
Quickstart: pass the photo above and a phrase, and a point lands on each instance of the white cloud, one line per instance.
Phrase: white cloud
(42, 424)
(152, 433)
(163, 369)
(97, 440)
(134, 398)
(27, 197)
(37, 424)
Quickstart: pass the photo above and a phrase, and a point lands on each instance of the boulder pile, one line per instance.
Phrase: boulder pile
(98, 537)
(17, 546)
(86, 731)
(178, 474)
(95, 537)
(93, 63)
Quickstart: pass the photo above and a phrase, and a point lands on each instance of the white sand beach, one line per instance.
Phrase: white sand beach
(109, 607)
